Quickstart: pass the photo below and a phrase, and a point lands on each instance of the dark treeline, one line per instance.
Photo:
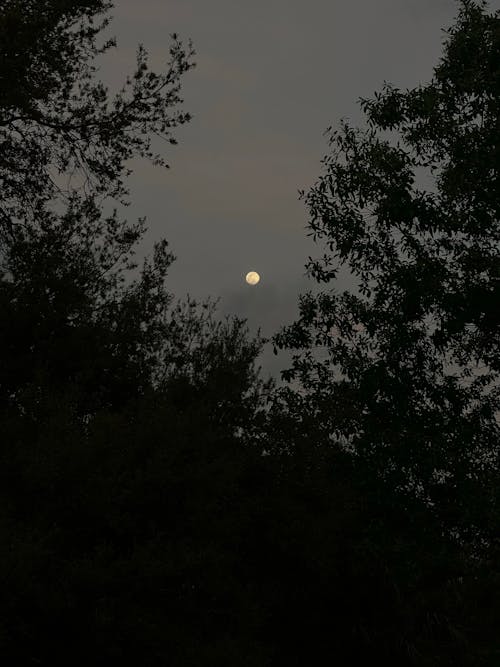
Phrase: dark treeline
(161, 503)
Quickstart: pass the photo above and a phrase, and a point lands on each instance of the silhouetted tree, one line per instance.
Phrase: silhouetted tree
(125, 417)
(65, 143)
(159, 503)
(407, 369)
(125, 538)
(401, 373)
(57, 118)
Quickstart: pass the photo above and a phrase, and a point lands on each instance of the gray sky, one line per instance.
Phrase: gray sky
(271, 76)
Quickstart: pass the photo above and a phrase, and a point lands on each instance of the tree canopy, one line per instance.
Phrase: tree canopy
(161, 503)
(409, 377)
(401, 373)
(66, 141)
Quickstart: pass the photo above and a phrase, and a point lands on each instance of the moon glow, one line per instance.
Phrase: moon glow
(252, 278)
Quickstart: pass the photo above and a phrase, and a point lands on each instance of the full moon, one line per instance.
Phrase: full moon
(252, 278)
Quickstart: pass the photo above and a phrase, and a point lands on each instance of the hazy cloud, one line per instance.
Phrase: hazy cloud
(271, 76)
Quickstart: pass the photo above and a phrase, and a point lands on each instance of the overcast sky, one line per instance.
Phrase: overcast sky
(271, 76)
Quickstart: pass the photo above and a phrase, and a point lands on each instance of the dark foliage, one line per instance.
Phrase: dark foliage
(402, 374)
(160, 504)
